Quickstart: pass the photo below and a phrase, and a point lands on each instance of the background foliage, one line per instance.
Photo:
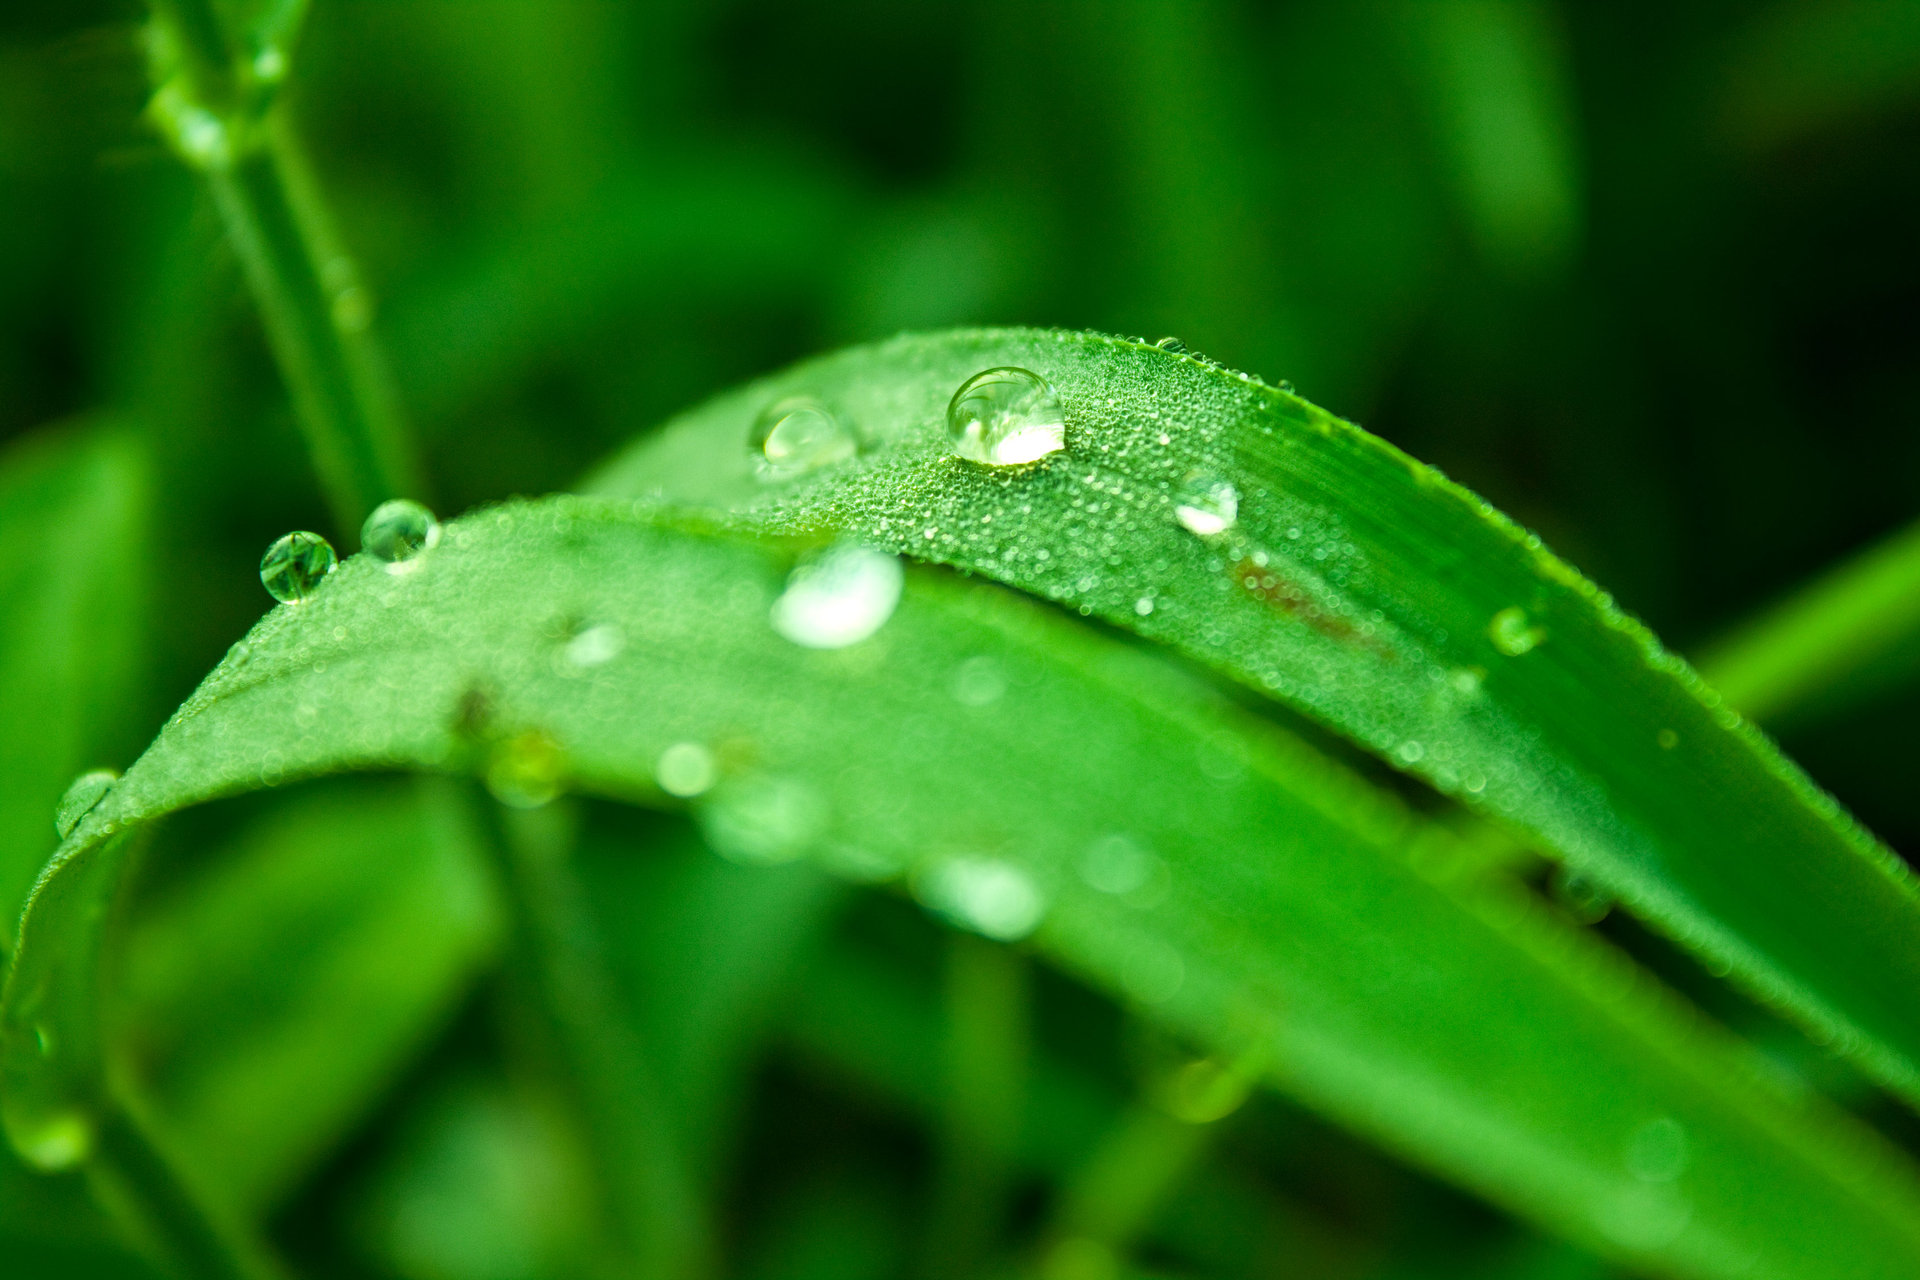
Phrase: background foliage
(1643, 278)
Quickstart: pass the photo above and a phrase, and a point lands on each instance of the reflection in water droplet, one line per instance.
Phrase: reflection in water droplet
(1206, 504)
(526, 770)
(1513, 634)
(979, 682)
(82, 797)
(799, 435)
(761, 820)
(54, 1143)
(1005, 417)
(594, 646)
(1657, 1151)
(1583, 898)
(990, 896)
(397, 531)
(685, 769)
(840, 599)
(295, 564)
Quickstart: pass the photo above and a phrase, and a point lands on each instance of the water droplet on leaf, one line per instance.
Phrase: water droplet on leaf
(762, 820)
(295, 564)
(593, 646)
(1171, 343)
(1667, 739)
(1206, 504)
(799, 435)
(82, 798)
(1005, 417)
(1584, 899)
(1513, 633)
(54, 1143)
(526, 770)
(399, 530)
(685, 769)
(839, 599)
(990, 896)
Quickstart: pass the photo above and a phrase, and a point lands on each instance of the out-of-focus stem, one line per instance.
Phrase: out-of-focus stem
(215, 103)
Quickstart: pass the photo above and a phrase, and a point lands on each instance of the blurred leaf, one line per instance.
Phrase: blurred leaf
(73, 563)
(1459, 1022)
(1804, 66)
(272, 996)
(1501, 109)
(1366, 590)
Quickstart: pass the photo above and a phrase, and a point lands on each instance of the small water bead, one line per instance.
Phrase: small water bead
(686, 769)
(762, 820)
(295, 564)
(1584, 899)
(1667, 739)
(527, 770)
(1116, 864)
(798, 435)
(1513, 633)
(397, 531)
(990, 896)
(1171, 343)
(594, 646)
(839, 599)
(1005, 417)
(1206, 504)
(82, 798)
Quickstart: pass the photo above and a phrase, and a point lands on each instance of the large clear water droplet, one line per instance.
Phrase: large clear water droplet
(399, 530)
(987, 895)
(295, 564)
(839, 599)
(1005, 417)
(1206, 504)
(82, 798)
(1513, 633)
(799, 435)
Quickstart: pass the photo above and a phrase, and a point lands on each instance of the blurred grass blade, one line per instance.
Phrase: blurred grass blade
(1842, 639)
(1365, 589)
(1459, 1022)
(73, 513)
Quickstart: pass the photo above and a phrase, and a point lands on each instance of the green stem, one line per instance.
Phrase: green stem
(1835, 642)
(216, 109)
(137, 1181)
(623, 1118)
(986, 1068)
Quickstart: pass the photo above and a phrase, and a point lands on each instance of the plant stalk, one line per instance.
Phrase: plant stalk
(217, 107)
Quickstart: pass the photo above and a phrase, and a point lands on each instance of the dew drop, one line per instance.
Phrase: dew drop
(839, 599)
(685, 769)
(526, 770)
(1171, 343)
(1005, 417)
(1206, 504)
(397, 531)
(1657, 1150)
(82, 798)
(1411, 751)
(990, 896)
(1513, 633)
(1143, 606)
(56, 1142)
(593, 646)
(1583, 898)
(762, 819)
(798, 435)
(295, 564)
(1667, 739)
(979, 681)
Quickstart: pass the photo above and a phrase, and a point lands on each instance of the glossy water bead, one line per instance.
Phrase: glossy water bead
(399, 530)
(798, 435)
(1206, 504)
(295, 564)
(1005, 417)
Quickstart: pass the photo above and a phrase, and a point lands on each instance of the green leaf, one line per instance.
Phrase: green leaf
(73, 505)
(1458, 1021)
(272, 993)
(1376, 596)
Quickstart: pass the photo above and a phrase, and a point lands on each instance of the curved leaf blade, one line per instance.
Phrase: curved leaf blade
(1368, 591)
(1458, 1023)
